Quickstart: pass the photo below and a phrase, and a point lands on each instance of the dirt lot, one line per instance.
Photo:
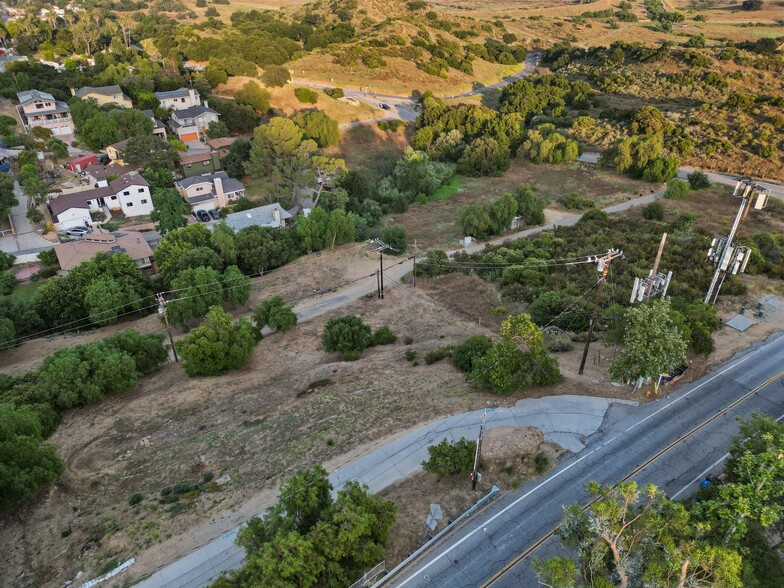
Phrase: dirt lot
(438, 223)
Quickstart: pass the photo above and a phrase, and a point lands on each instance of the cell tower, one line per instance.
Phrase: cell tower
(723, 253)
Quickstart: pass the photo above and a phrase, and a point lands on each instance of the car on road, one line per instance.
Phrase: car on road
(214, 214)
(203, 216)
(384, 105)
(78, 231)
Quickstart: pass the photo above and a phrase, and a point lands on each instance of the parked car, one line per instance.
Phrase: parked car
(214, 214)
(384, 105)
(203, 216)
(78, 231)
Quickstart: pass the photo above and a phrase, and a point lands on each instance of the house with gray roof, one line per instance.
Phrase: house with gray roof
(40, 109)
(179, 99)
(271, 215)
(190, 124)
(210, 191)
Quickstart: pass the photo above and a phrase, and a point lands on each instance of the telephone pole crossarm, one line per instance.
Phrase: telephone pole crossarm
(602, 265)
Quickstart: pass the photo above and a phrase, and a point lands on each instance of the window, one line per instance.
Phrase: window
(127, 193)
(206, 163)
(39, 105)
(144, 202)
(129, 204)
(199, 188)
(182, 100)
(141, 190)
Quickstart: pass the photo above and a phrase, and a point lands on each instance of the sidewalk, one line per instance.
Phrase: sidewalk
(565, 420)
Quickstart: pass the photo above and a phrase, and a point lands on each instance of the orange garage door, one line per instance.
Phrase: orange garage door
(189, 137)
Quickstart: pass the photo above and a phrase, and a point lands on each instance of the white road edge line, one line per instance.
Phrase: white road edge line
(706, 470)
(574, 463)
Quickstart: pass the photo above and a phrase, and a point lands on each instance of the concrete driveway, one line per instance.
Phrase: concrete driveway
(27, 240)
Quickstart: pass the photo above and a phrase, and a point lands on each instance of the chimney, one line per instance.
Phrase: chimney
(192, 93)
(218, 183)
(206, 104)
(102, 183)
(73, 92)
(276, 216)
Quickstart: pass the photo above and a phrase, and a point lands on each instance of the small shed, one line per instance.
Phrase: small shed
(77, 164)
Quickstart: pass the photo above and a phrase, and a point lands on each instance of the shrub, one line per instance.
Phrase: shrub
(306, 95)
(542, 463)
(275, 75)
(135, 499)
(653, 211)
(562, 342)
(208, 477)
(411, 354)
(334, 93)
(469, 351)
(698, 180)
(395, 237)
(384, 336)
(438, 354)
(573, 201)
(408, 340)
(447, 458)
(347, 335)
(676, 189)
(275, 314)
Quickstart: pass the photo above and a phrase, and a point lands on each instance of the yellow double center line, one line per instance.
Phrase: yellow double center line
(634, 472)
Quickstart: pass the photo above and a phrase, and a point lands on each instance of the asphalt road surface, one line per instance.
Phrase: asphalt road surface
(629, 437)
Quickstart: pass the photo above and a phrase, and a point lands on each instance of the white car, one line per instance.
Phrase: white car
(78, 231)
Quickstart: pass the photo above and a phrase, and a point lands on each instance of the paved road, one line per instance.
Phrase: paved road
(630, 435)
(26, 239)
(405, 107)
(565, 420)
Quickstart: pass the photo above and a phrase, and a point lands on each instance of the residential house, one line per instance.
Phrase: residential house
(210, 191)
(179, 99)
(221, 145)
(190, 124)
(271, 215)
(133, 244)
(104, 96)
(158, 127)
(114, 151)
(40, 109)
(198, 163)
(96, 172)
(129, 194)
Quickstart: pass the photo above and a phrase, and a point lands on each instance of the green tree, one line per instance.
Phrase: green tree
(254, 96)
(177, 242)
(395, 236)
(529, 206)
(317, 125)
(275, 76)
(25, 464)
(7, 332)
(465, 355)
(275, 314)
(677, 189)
(224, 242)
(234, 162)
(7, 197)
(199, 257)
(448, 459)
(623, 539)
(698, 180)
(170, 210)
(217, 129)
(198, 290)
(131, 123)
(652, 343)
(236, 286)
(150, 151)
(484, 156)
(263, 248)
(347, 335)
(148, 351)
(282, 156)
(217, 345)
(98, 131)
(57, 148)
(105, 299)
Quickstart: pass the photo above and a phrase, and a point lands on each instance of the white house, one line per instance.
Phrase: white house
(129, 193)
(179, 99)
(40, 109)
(210, 191)
(190, 124)
(271, 215)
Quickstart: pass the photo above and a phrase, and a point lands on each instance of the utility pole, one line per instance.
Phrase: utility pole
(475, 473)
(381, 271)
(380, 250)
(656, 284)
(413, 275)
(730, 258)
(162, 312)
(602, 266)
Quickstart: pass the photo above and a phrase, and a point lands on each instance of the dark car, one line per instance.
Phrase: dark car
(384, 105)
(214, 214)
(203, 216)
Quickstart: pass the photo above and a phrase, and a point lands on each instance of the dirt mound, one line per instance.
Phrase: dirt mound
(510, 447)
